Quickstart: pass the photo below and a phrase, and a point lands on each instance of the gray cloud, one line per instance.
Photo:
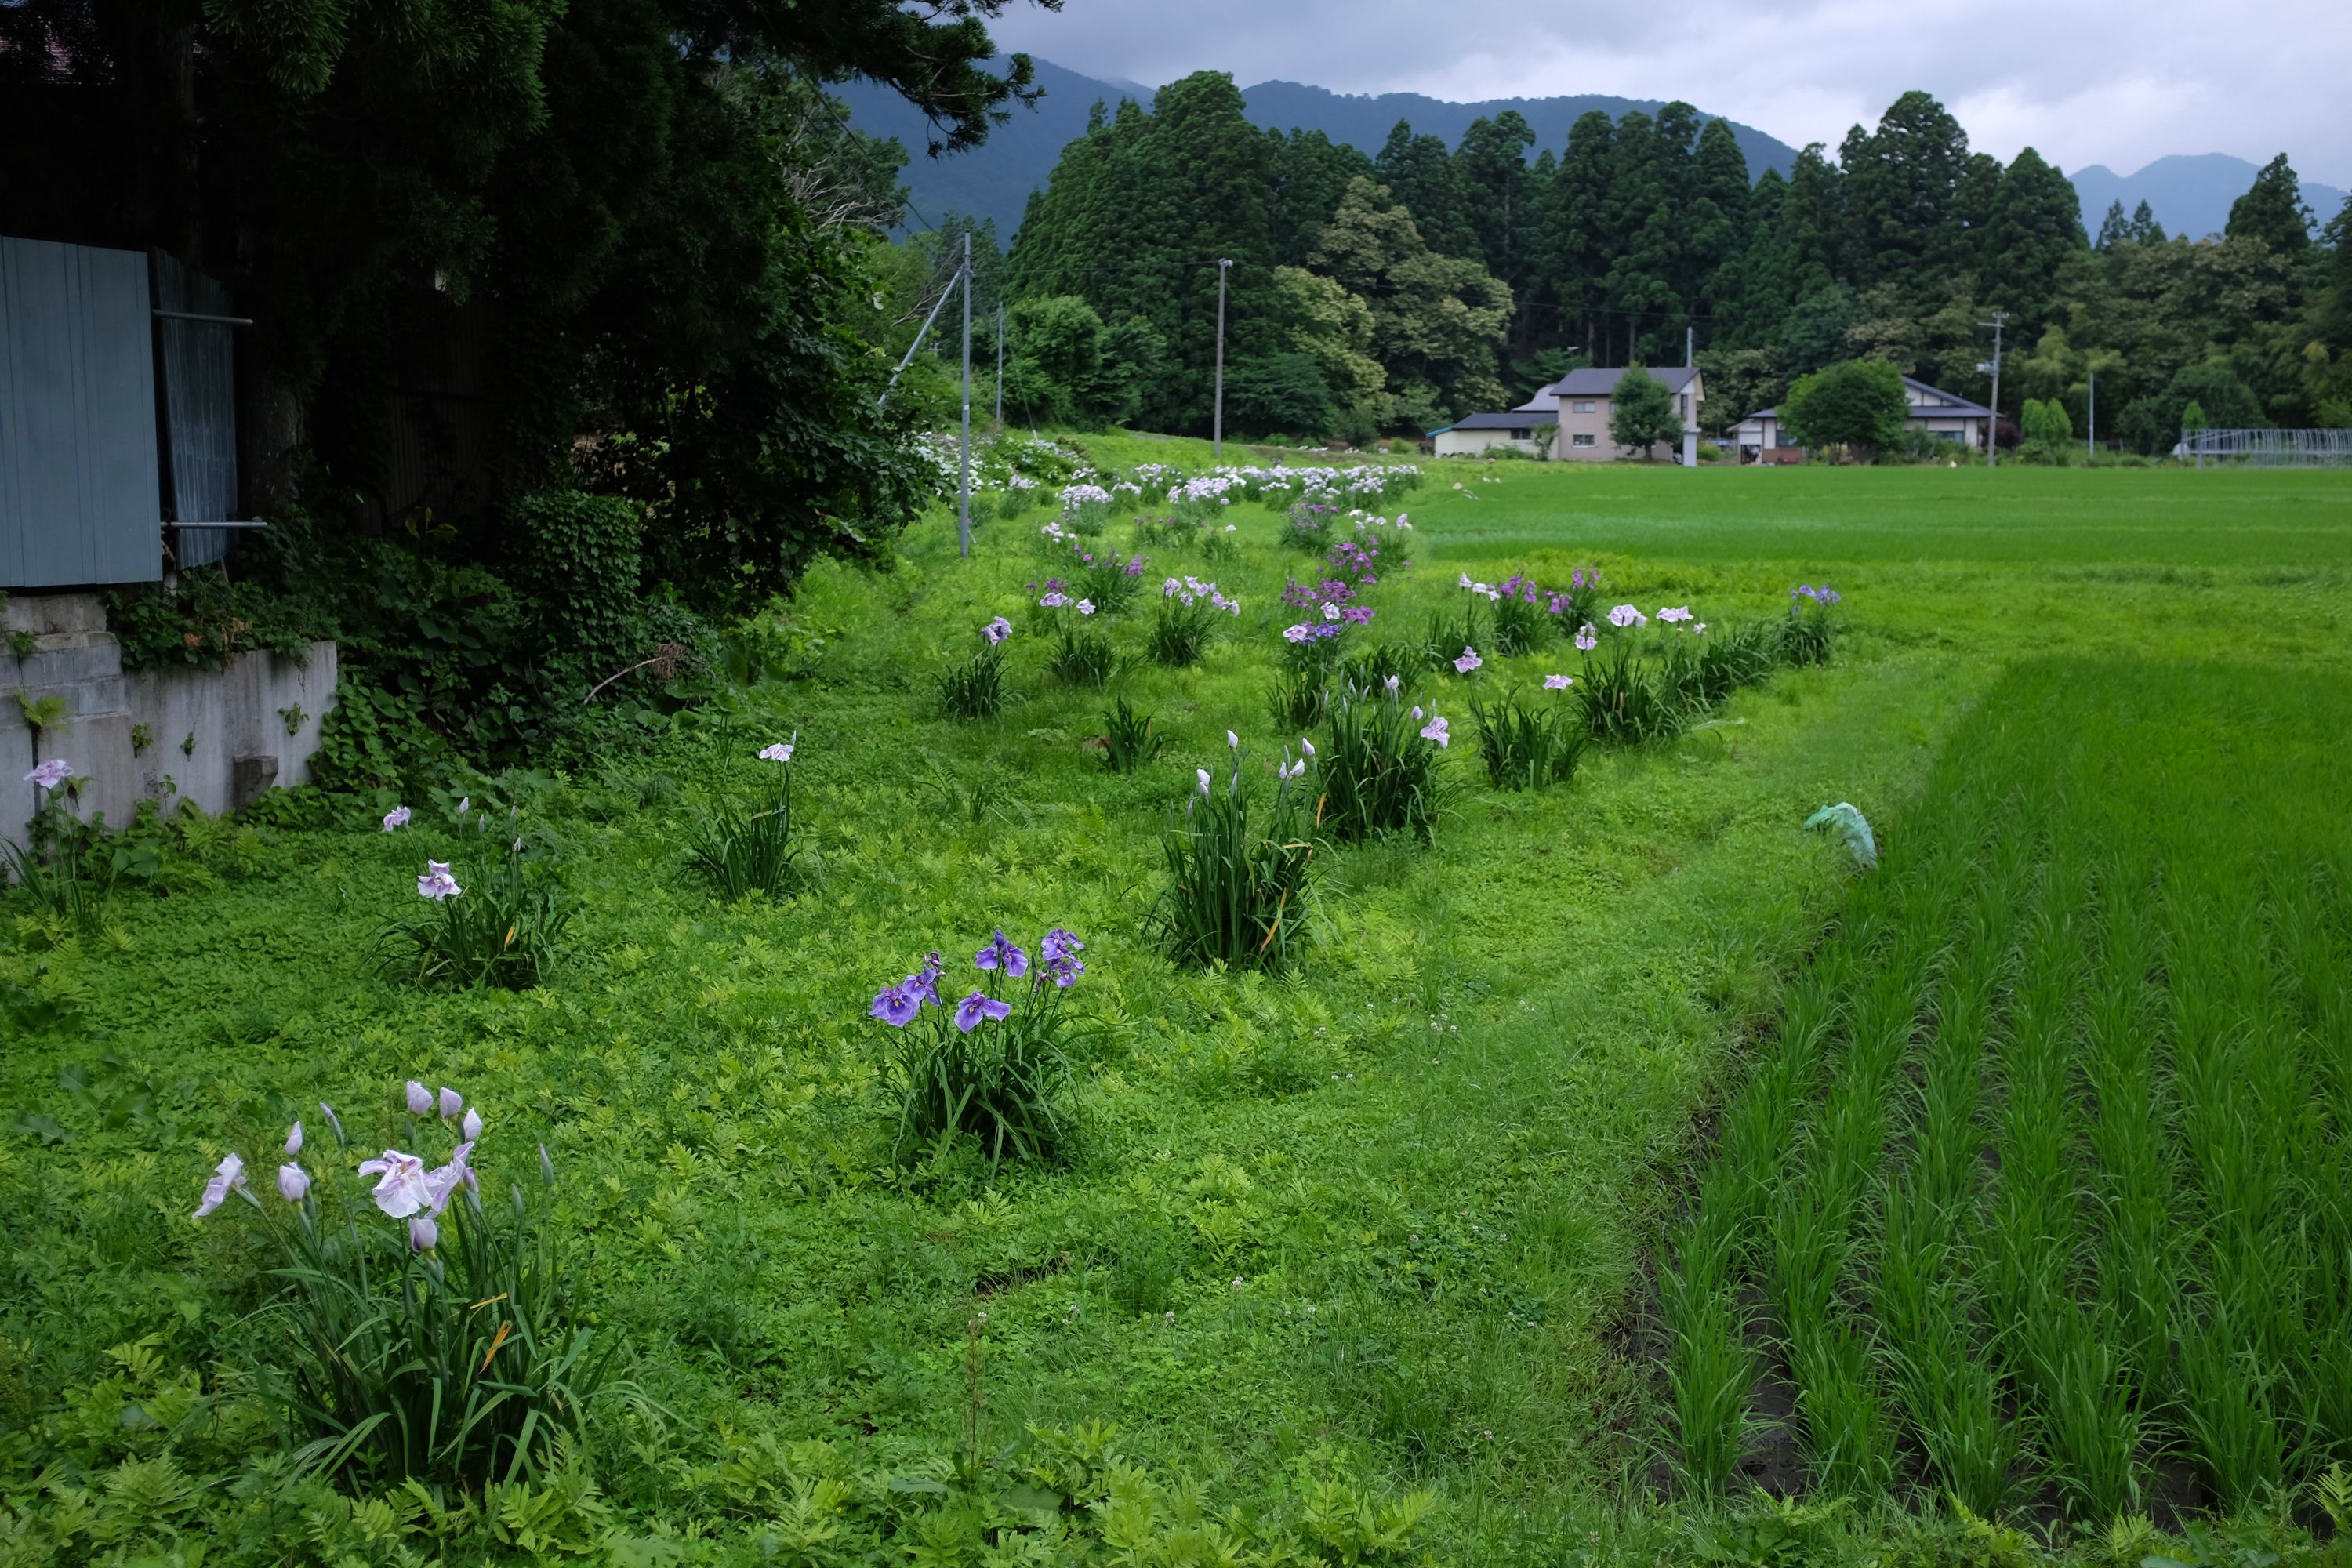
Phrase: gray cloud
(2119, 83)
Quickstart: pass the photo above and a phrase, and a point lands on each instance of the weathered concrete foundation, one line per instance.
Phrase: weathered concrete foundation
(216, 737)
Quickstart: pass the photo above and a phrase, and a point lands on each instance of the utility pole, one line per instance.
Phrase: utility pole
(1217, 427)
(963, 498)
(1690, 398)
(2091, 436)
(1992, 426)
(1000, 364)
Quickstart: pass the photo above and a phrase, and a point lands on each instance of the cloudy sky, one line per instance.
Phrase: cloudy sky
(2119, 83)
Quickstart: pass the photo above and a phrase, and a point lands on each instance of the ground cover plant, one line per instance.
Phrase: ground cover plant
(1434, 1151)
(2041, 1182)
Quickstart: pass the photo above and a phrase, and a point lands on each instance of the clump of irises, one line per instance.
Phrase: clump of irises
(1081, 654)
(993, 1065)
(744, 848)
(438, 1348)
(1809, 636)
(1308, 525)
(1186, 620)
(974, 688)
(1237, 865)
(499, 928)
(1380, 764)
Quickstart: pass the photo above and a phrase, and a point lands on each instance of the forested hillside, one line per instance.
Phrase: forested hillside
(1391, 292)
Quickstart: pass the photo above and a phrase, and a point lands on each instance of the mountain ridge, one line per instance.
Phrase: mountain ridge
(2189, 193)
(993, 180)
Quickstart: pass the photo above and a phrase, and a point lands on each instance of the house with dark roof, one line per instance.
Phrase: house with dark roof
(1938, 414)
(1569, 419)
(1582, 400)
(1529, 430)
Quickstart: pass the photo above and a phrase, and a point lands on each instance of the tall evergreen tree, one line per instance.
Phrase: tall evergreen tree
(1420, 174)
(1311, 171)
(2036, 228)
(1580, 232)
(1902, 186)
(1714, 220)
(2271, 210)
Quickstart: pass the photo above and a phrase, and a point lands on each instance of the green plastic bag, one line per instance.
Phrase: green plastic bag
(1849, 825)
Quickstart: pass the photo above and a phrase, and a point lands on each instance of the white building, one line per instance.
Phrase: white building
(1529, 430)
(1940, 414)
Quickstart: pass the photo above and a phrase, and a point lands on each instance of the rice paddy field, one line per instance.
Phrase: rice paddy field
(1618, 1149)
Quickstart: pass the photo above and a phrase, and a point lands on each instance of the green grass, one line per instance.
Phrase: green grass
(1392, 1206)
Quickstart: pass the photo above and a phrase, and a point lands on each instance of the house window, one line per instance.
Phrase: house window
(1577, 440)
(1585, 407)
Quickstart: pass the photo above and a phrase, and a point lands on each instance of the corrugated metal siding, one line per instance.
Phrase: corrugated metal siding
(79, 501)
(199, 361)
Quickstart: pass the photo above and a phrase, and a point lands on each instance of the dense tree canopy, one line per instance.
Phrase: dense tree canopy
(1612, 248)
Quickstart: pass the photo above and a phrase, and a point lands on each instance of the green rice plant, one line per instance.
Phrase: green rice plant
(1129, 740)
(1379, 766)
(740, 850)
(1848, 1438)
(1622, 701)
(2226, 1407)
(426, 1335)
(992, 1069)
(1237, 876)
(1298, 698)
(1710, 1375)
(1080, 653)
(2085, 1413)
(1528, 746)
(501, 932)
(974, 688)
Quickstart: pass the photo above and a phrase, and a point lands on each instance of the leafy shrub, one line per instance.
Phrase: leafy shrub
(205, 619)
(744, 851)
(1379, 766)
(501, 932)
(1237, 887)
(1527, 747)
(443, 1349)
(975, 688)
(1185, 622)
(997, 1069)
(1129, 739)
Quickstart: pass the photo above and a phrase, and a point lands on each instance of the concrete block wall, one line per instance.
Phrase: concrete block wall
(262, 710)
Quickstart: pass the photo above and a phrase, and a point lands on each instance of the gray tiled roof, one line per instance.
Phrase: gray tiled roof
(1517, 419)
(1603, 383)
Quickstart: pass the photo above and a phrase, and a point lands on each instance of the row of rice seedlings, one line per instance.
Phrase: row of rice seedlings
(2311, 913)
(1925, 1294)
(2237, 1310)
(2084, 1415)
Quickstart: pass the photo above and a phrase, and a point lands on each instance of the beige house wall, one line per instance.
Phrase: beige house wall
(1470, 443)
(1595, 424)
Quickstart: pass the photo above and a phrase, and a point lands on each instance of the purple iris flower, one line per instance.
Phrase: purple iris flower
(999, 954)
(925, 982)
(976, 1007)
(1058, 944)
(897, 1005)
(1066, 969)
